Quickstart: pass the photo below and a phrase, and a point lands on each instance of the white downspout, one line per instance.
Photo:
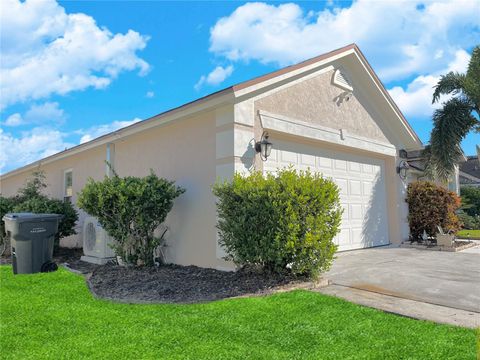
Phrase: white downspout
(110, 157)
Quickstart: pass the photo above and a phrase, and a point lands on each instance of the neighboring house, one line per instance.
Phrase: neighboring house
(330, 114)
(417, 170)
(470, 171)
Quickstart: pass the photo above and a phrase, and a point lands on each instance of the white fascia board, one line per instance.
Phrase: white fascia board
(280, 78)
(287, 125)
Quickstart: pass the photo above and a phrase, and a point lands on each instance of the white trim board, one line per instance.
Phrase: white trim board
(287, 125)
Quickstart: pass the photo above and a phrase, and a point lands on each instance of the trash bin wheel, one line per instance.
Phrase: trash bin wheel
(49, 267)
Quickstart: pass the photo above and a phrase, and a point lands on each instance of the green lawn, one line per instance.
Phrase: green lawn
(54, 316)
(469, 233)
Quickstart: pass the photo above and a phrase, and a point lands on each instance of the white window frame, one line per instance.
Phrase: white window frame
(65, 196)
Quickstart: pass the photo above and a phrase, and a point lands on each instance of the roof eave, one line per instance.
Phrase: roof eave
(201, 104)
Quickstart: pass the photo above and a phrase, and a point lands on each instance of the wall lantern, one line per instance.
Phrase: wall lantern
(264, 147)
(402, 169)
(402, 153)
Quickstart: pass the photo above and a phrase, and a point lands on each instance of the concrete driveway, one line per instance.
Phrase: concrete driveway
(435, 277)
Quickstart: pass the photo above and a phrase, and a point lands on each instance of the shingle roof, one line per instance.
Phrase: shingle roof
(471, 166)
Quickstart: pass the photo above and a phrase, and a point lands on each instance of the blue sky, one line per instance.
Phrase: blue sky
(71, 71)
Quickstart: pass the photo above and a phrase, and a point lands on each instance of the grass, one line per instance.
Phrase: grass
(469, 233)
(54, 316)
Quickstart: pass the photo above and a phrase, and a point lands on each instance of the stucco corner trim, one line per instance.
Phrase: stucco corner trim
(287, 125)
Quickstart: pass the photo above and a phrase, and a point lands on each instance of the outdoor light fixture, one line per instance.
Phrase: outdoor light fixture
(402, 153)
(264, 147)
(402, 169)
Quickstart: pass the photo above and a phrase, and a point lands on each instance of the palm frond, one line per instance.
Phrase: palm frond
(472, 81)
(452, 83)
(451, 124)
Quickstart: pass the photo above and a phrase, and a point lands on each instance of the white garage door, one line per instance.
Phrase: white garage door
(362, 189)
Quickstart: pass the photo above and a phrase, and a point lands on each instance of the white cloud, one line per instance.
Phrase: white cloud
(150, 94)
(29, 146)
(48, 112)
(215, 77)
(399, 37)
(14, 120)
(99, 130)
(47, 51)
(416, 99)
(44, 141)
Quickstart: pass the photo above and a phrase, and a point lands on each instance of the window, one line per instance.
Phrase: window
(68, 185)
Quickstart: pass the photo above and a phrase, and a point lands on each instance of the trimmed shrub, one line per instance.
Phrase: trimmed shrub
(469, 222)
(430, 205)
(282, 223)
(31, 199)
(130, 209)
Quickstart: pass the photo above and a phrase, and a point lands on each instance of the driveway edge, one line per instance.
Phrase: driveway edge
(405, 307)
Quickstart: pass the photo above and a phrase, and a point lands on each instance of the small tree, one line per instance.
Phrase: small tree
(130, 209)
(429, 206)
(282, 223)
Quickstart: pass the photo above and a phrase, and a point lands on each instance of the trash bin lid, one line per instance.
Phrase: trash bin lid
(22, 217)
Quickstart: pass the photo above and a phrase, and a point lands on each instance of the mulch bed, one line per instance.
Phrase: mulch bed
(181, 284)
(173, 283)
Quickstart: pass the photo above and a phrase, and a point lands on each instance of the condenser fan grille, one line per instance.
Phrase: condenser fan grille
(90, 236)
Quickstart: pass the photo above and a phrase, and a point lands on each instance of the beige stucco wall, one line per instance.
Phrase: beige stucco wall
(184, 151)
(89, 163)
(317, 101)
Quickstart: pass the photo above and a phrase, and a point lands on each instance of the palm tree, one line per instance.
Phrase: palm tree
(458, 116)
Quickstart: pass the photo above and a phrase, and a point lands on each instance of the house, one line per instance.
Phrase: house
(416, 162)
(470, 171)
(330, 114)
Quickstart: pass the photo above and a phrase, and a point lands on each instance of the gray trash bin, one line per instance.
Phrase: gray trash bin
(32, 237)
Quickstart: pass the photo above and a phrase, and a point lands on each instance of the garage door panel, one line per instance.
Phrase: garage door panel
(356, 212)
(361, 184)
(340, 164)
(355, 187)
(367, 169)
(324, 163)
(307, 160)
(354, 166)
(342, 185)
(343, 237)
(367, 188)
(357, 234)
(289, 157)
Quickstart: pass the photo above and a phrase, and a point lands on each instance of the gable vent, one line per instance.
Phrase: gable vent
(341, 80)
